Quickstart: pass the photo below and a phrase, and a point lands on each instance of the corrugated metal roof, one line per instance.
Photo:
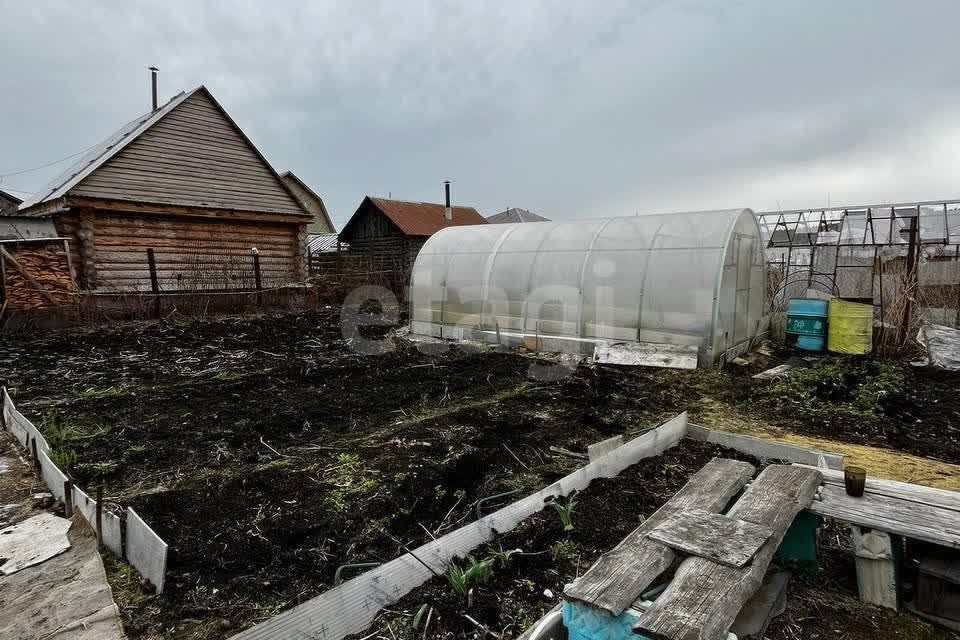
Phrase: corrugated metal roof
(516, 215)
(90, 161)
(425, 218)
(323, 243)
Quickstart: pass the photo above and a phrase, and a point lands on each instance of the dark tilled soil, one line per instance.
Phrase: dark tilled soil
(266, 451)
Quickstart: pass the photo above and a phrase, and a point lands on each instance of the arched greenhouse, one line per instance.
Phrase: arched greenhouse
(693, 280)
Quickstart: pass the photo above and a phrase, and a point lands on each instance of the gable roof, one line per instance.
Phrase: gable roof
(296, 184)
(188, 152)
(9, 197)
(516, 215)
(419, 218)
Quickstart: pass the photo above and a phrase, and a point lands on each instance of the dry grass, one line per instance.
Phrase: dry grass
(881, 463)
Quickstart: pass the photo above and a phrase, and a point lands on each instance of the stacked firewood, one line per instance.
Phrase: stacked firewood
(37, 276)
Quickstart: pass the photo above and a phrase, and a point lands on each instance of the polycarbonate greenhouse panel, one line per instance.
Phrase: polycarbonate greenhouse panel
(682, 278)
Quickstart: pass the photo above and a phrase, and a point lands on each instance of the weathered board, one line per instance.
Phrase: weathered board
(941, 498)
(765, 605)
(645, 354)
(705, 597)
(713, 536)
(914, 520)
(622, 574)
(776, 372)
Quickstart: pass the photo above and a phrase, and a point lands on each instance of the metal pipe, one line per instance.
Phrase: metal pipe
(153, 83)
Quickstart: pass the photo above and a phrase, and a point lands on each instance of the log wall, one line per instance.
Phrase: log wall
(191, 254)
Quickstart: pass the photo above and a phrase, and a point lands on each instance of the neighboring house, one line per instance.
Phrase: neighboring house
(513, 215)
(184, 181)
(16, 227)
(9, 204)
(391, 232)
(310, 201)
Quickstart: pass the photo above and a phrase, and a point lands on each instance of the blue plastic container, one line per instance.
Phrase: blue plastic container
(807, 321)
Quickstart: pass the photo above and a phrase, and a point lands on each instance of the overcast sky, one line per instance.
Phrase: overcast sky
(569, 109)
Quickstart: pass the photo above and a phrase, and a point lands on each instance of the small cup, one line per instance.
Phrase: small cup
(854, 481)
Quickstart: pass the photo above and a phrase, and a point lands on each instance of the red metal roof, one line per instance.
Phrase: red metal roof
(425, 218)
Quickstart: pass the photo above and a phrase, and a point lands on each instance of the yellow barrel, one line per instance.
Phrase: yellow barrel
(850, 329)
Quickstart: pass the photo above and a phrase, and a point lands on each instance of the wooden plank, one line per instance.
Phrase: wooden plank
(622, 574)
(767, 603)
(705, 597)
(765, 449)
(250, 214)
(914, 520)
(929, 496)
(212, 184)
(713, 536)
(776, 372)
(645, 354)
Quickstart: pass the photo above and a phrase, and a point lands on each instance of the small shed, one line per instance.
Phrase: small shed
(9, 203)
(693, 280)
(515, 214)
(185, 184)
(390, 233)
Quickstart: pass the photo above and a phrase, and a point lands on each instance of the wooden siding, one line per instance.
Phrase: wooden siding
(194, 156)
(310, 202)
(190, 254)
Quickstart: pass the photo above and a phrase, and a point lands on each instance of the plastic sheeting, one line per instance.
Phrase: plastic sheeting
(682, 278)
(943, 346)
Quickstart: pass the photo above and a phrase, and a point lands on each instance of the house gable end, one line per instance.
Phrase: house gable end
(193, 156)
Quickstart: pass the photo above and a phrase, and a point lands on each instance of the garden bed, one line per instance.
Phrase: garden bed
(267, 452)
(519, 576)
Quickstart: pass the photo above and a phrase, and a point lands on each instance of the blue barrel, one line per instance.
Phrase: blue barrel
(807, 323)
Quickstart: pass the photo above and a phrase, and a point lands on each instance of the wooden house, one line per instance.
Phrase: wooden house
(184, 182)
(9, 204)
(312, 202)
(390, 233)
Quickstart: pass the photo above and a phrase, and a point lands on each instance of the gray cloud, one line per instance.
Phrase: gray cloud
(571, 109)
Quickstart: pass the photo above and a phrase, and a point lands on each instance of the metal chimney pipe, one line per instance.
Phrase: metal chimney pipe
(447, 210)
(153, 82)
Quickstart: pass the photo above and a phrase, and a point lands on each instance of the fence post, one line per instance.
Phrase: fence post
(68, 498)
(256, 273)
(154, 283)
(99, 518)
(36, 457)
